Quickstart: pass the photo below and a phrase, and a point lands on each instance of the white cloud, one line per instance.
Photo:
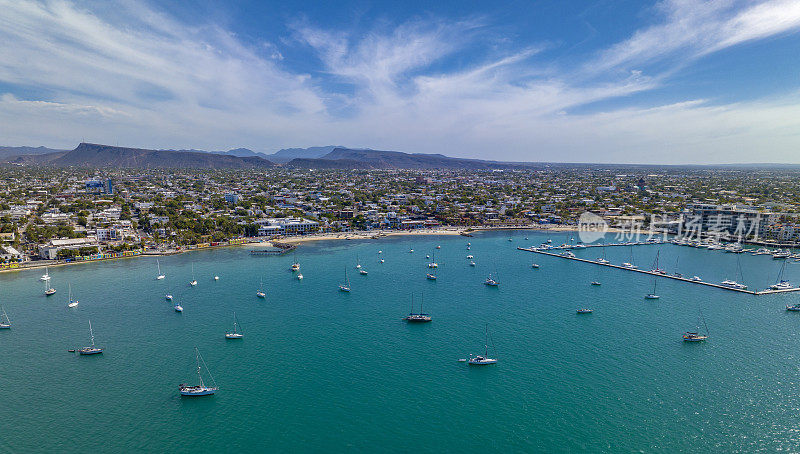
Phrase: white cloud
(126, 73)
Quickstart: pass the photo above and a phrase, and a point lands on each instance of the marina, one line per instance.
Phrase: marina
(768, 291)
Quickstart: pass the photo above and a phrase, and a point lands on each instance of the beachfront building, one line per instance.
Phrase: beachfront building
(286, 226)
(50, 250)
(727, 220)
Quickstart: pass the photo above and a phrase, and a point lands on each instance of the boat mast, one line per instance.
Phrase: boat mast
(199, 375)
(486, 343)
(91, 333)
(704, 323)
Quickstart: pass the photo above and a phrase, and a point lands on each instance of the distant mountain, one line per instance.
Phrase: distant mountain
(8, 152)
(349, 158)
(287, 154)
(96, 155)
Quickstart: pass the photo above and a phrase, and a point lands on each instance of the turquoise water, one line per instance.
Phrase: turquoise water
(325, 371)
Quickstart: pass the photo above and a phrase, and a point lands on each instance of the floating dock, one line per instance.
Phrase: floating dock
(653, 273)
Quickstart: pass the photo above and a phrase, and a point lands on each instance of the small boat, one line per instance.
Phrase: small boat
(90, 350)
(380, 252)
(168, 297)
(381, 260)
(236, 333)
(201, 389)
(432, 263)
(629, 265)
(260, 293)
(595, 283)
(584, 311)
(295, 265)
(46, 275)
(346, 286)
(782, 285)
(696, 336)
(438, 247)
(696, 279)
(534, 265)
(470, 257)
(5, 322)
(430, 277)
(159, 276)
(216, 278)
(471, 263)
(603, 261)
(300, 277)
(48, 289)
(70, 302)
(509, 240)
(482, 360)
(362, 272)
(491, 282)
(793, 308)
(427, 256)
(653, 295)
(193, 282)
(411, 251)
(734, 284)
(178, 307)
(568, 254)
(419, 317)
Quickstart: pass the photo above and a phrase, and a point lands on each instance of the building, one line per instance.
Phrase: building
(50, 250)
(286, 226)
(232, 198)
(729, 220)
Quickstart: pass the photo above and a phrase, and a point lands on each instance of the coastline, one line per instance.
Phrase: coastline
(298, 240)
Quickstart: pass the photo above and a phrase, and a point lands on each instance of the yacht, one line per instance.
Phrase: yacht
(793, 308)
(780, 255)
(491, 282)
(48, 289)
(193, 282)
(595, 283)
(471, 263)
(584, 311)
(168, 297)
(296, 265)
(696, 335)
(438, 247)
(734, 284)
(362, 272)
(483, 360)
(696, 279)
(629, 265)
(90, 350)
(70, 302)
(420, 317)
(411, 251)
(782, 285)
(346, 286)
(237, 332)
(159, 276)
(5, 322)
(216, 278)
(534, 265)
(568, 254)
(201, 389)
(470, 257)
(178, 307)
(300, 277)
(260, 293)
(653, 295)
(603, 261)
(431, 277)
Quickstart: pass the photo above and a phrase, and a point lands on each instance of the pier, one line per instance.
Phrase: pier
(653, 273)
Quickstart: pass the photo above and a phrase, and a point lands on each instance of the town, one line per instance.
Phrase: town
(70, 214)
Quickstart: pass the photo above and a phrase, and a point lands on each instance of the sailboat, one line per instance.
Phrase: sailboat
(300, 276)
(91, 350)
(358, 263)
(296, 264)
(168, 297)
(417, 317)
(433, 263)
(260, 293)
(70, 302)
(482, 360)
(346, 286)
(160, 276)
(653, 296)
(46, 275)
(781, 283)
(430, 276)
(201, 389)
(490, 281)
(5, 322)
(193, 281)
(696, 336)
(236, 333)
(48, 289)
(177, 307)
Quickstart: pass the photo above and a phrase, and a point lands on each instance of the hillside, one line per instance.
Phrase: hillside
(344, 158)
(287, 154)
(96, 155)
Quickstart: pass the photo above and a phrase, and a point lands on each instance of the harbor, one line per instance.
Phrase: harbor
(650, 272)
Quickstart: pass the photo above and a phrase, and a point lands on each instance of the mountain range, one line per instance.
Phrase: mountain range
(328, 157)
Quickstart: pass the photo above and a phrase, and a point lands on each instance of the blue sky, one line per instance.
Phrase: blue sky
(673, 81)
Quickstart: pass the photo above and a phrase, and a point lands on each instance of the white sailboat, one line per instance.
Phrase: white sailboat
(653, 296)
(260, 293)
(48, 289)
(482, 360)
(178, 307)
(346, 286)
(696, 335)
(201, 389)
(91, 350)
(70, 302)
(193, 282)
(237, 332)
(5, 322)
(296, 264)
(160, 276)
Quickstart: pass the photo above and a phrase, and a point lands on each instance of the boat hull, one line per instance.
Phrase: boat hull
(197, 392)
(91, 351)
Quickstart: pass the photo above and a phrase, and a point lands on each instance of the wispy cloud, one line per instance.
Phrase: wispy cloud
(128, 73)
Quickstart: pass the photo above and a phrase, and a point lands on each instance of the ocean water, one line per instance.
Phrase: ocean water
(324, 371)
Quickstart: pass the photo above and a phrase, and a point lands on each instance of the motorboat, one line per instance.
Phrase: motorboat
(584, 311)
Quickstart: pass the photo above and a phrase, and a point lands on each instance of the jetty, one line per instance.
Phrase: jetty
(655, 273)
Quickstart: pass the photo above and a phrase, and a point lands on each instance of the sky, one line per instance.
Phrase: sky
(672, 81)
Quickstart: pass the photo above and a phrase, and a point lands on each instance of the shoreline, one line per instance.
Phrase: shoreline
(301, 239)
